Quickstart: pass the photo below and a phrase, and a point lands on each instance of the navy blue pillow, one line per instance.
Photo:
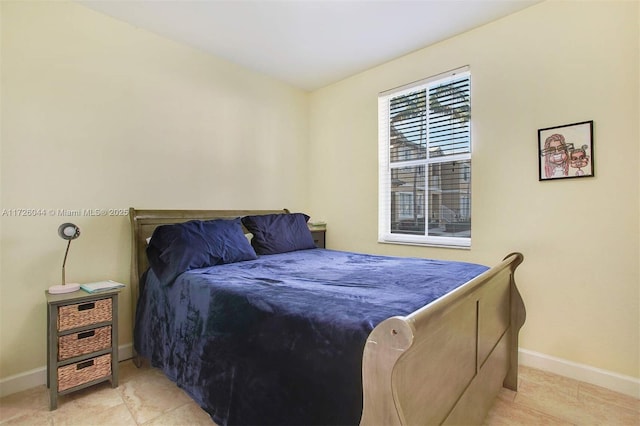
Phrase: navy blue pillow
(279, 233)
(174, 249)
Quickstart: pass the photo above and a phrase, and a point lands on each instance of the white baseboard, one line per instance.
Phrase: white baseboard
(584, 373)
(38, 376)
(23, 381)
(607, 379)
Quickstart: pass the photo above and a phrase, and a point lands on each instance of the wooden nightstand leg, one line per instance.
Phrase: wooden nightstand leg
(52, 357)
(48, 345)
(53, 400)
(114, 343)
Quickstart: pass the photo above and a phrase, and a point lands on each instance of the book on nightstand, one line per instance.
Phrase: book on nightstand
(99, 286)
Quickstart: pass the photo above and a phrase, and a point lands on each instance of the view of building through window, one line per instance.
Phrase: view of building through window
(427, 182)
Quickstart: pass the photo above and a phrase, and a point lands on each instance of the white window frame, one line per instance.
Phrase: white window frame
(384, 173)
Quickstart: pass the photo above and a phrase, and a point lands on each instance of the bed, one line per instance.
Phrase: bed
(244, 345)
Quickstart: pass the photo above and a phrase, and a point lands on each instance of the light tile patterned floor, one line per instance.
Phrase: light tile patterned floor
(548, 399)
(146, 397)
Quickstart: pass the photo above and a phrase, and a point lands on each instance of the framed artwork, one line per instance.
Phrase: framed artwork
(566, 151)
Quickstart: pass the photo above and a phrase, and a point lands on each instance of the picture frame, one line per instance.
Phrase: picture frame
(566, 151)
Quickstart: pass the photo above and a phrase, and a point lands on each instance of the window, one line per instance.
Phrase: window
(425, 162)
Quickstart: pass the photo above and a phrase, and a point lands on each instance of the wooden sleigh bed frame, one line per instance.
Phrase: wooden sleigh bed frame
(443, 364)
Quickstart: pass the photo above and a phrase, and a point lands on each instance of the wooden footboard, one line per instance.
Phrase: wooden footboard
(446, 362)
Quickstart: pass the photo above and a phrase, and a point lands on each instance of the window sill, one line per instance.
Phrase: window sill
(434, 245)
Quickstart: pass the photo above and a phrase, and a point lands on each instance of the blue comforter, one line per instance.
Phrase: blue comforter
(279, 340)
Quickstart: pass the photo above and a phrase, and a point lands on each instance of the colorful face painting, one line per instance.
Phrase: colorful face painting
(566, 151)
(556, 155)
(578, 159)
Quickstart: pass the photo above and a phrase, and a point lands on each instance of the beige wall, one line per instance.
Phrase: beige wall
(99, 114)
(552, 64)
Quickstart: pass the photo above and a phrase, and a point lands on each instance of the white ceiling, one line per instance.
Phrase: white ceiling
(308, 43)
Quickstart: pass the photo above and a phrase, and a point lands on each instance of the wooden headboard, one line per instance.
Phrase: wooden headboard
(144, 222)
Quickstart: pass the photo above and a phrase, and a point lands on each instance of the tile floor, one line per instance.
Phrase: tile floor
(146, 397)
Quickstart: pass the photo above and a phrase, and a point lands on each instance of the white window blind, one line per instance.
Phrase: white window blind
(425, 161)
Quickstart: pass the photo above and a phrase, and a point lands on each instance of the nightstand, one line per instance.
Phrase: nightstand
(318, 232)
(82, 341)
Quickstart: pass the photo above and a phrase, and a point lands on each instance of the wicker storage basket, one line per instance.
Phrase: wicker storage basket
(81, 314)
(84, 342)
(84, 371)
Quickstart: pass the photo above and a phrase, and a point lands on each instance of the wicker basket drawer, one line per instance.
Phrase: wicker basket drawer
(83, 372)
(82, 314)
(84, 342)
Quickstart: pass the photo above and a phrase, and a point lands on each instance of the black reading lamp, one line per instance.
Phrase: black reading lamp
(66, 231)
